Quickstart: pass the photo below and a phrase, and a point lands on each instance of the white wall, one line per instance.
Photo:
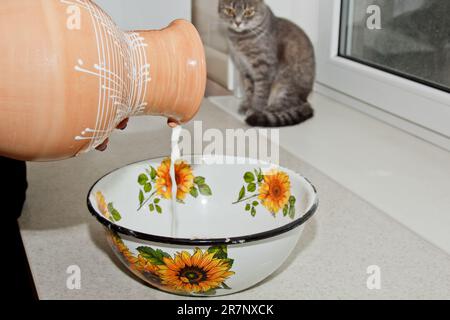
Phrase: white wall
(305, 13)
(212, 31)
(209, 25)
(146, 14)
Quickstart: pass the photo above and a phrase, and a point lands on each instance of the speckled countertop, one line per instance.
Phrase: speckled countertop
(330, 261)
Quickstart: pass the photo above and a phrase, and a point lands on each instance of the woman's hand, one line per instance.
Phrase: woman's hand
(172, 123)
(121, 126)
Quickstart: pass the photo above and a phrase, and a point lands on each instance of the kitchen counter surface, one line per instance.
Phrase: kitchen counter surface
(346, 236)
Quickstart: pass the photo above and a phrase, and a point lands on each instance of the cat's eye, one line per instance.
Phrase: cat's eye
(249, 13)
(229, 12)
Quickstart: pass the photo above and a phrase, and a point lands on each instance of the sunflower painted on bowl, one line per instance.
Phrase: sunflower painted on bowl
(272, 190)
(200, 272)
(156, 184)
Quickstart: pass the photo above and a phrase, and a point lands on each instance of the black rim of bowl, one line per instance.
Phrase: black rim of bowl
(201, 242)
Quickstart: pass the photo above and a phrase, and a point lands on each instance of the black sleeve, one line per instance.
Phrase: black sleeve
(13, 187)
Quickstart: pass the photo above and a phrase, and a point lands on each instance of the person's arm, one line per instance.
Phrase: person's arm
(14, 175)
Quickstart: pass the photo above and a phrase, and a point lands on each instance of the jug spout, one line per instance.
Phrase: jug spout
(176, 77)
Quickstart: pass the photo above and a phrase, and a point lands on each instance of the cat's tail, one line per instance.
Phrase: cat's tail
(281, 118)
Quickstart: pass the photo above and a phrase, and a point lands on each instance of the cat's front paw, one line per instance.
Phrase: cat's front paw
(244, 107)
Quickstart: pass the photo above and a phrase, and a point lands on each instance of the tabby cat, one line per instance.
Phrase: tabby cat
(276, 61)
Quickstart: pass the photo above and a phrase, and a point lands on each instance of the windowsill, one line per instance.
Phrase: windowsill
(400, 174)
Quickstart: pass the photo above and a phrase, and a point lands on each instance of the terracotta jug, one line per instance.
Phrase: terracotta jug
(69, 76)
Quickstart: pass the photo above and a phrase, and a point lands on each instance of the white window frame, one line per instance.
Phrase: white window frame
(414, 107)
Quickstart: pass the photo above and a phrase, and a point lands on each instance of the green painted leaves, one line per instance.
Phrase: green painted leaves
(146, 181)
(202, 187)
(141, 197)
(205, 190)
(251, 207)
(147, 187)
(241, 194)
(153, 173)
(251, 187)
(155, 206)
(252, 182)
(194, 192)
(259, 175)
(289, 209)
(199, 180)
(249, 177)
(114, 213)
(153, 256)
(221, 252)
(142, 179)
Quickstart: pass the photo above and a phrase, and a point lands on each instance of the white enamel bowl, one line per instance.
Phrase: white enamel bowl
(223, 242)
